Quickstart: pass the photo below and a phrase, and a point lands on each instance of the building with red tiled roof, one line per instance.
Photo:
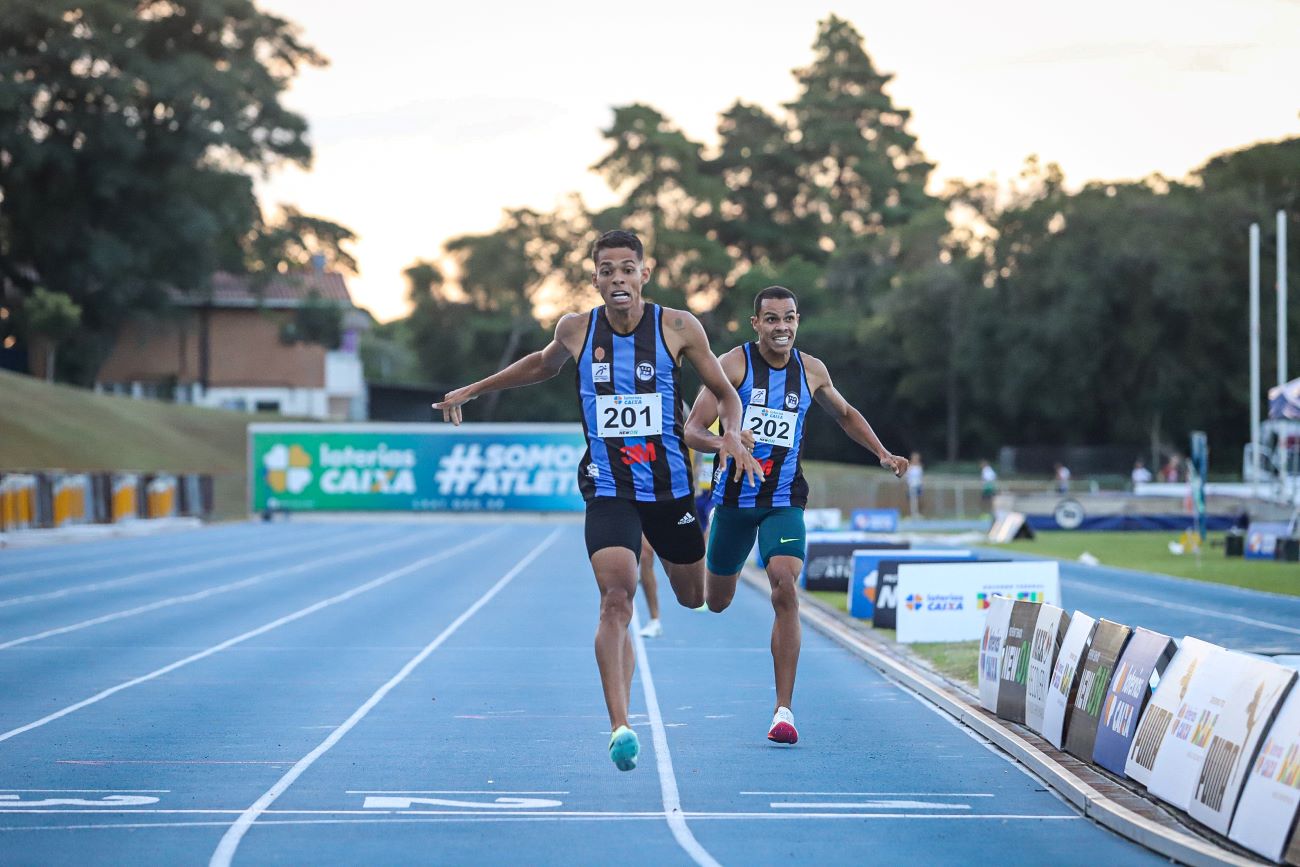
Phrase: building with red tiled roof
(278, 291)
(226, 347)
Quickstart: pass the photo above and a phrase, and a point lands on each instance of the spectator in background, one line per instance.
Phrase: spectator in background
(1172, 471)
(650, 586)
(1062, 479)
(988, 483)
(1140, 475)
(915, 476)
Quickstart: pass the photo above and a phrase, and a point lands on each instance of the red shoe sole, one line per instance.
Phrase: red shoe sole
(783, 733)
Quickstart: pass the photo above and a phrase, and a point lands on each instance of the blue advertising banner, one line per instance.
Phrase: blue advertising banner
(874, 520)
(1262, 538)
(1144, 661)
(828, 563)
(415, 467)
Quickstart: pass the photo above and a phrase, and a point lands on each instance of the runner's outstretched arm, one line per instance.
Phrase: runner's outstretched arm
(704, 412)
(729, 444)
(532, 368)
(848, 418)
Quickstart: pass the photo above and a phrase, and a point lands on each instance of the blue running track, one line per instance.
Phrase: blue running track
(373, 692)
(1246, 620)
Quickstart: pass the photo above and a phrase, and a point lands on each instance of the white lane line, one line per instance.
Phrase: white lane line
(440, 792)
(352, 554)
(100, 558)
(884, 794)
(667, 780)
(252, 633)
(1218, 614)
(380, 817)
(154, 573)
(235, 833)
(865, 805)
(170, 762)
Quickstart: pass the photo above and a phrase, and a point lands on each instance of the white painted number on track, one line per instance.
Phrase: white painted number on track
(8, 801)
(374, 802)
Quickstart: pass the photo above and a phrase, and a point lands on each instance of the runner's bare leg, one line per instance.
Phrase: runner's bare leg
(616, 576)
(783, 574)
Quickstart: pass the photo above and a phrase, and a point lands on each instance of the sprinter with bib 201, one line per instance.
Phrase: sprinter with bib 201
(777, 384)
(635, 476)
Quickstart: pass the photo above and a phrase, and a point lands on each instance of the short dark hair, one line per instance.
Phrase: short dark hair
(615, 239)
(773, 292)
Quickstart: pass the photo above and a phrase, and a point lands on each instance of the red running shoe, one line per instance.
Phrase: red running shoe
(783, 730)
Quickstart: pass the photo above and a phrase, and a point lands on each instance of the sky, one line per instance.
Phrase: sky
(431, 119)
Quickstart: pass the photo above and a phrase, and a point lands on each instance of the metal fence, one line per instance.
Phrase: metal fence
(54, 498)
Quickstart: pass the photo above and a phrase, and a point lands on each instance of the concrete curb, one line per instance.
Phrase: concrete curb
(1181, 847)
(95, 532)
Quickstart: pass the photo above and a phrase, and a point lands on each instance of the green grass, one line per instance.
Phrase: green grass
(958, 660)
(46, 427)
(1149, 552)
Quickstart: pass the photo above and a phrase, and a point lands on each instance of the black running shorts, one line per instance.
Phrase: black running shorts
(672, 526)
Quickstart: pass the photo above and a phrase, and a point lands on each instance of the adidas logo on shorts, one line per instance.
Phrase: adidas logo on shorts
(688, 518)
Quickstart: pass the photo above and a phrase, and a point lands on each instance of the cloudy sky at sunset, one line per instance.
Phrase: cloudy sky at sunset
(432, 118)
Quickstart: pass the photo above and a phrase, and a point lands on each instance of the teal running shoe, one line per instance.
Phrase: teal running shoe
(624, 748)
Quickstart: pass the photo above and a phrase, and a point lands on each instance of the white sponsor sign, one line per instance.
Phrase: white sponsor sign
(1255, 687)
(997, 617)
(1064, 672)
(1049, 632)
(1177, 767)
(1271, 797)
(1159, 716)
(946, 601)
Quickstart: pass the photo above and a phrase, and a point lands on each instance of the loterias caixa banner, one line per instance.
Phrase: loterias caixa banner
(415, 467)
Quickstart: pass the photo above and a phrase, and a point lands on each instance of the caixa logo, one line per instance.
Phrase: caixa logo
(935, 602)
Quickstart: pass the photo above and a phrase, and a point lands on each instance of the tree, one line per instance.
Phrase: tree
(760, 218)
(293, 240)
(53, 317)
(315, 320)
(668, 195)
(530, 259)
(128, 133)
(861, 171)
(459, 340)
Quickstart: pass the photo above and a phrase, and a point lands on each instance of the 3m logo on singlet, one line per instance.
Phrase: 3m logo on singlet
(639, 454)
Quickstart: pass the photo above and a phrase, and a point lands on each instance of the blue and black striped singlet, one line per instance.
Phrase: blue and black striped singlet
(631, 413)
(776, 402)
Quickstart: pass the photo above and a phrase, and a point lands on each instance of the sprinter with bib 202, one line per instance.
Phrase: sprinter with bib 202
(777, 384)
